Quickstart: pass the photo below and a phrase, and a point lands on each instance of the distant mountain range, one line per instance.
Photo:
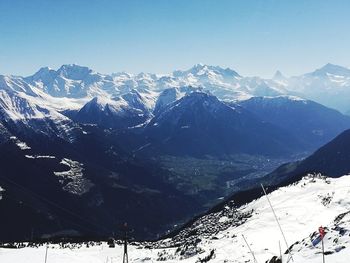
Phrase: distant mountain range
(327, 85)
(119, 147)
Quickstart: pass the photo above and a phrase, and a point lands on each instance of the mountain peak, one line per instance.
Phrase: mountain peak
(198, 99)
(199, 66)
(44, 69)
(331, 69)
(278, 75)
(73, 71)
(72, 67)
(199, 95)
(43, 73)
(70, 71)
(201, 69)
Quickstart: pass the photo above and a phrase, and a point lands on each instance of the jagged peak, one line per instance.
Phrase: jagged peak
(201, 69)
(73, 71)
(73, 66)
(278, 75)
(70, 71)
(43, 73)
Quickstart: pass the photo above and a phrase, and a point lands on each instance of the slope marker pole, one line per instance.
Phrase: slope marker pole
(279, 245)
(251, 251)
(125, 255)
(323, 251)
(278, 223)
(47, 247)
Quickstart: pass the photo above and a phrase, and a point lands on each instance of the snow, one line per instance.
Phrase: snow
(59, 104)
(95, 254)
(22, 145)
(300, 211)
(133, 102)
(72, 86)
(73, 180)
(301, 208)
(40, 156)
(105, 102)
(1, 191)
(336, 242)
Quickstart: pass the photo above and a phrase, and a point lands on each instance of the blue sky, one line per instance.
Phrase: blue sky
(254, 37)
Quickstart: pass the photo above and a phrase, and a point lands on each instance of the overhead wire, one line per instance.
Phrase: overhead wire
(50, 202)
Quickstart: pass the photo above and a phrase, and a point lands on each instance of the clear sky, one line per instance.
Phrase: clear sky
(254, 37)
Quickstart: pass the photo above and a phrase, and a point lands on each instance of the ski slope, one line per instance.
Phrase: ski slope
(301, 208)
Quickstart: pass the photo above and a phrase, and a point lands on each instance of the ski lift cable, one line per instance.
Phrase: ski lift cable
(24, 189)
(64, 219)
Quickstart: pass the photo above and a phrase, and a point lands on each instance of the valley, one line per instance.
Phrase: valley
(193, 131)
(115, 147)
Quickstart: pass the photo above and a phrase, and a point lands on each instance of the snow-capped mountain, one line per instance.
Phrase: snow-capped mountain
(330, 70)
(18, 114)
(73, 81)
(170, 95)
(125, 100)
(70, 81)
(278, 76)
(328, 85)
(73, 85)
(205, 74)
(125, 111)
(200, 124)
(227, 84)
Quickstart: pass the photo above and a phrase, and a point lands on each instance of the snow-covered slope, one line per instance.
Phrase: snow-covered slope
(301, 208)
(15, 107)
(15, 84)
(18, 113)
(336, 243)
(124, 111)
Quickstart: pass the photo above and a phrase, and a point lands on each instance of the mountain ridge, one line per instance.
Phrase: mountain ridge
(142, 135)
